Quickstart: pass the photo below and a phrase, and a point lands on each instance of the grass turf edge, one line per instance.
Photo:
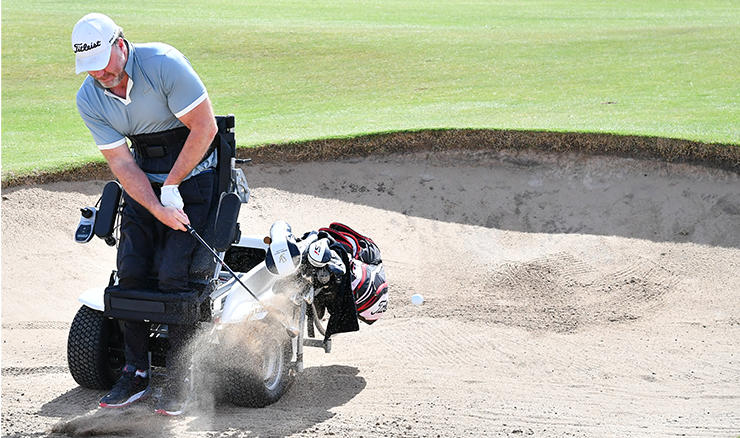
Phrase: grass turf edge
(719, 156)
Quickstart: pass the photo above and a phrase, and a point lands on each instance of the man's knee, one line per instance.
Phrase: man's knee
(136, 247)
(133, 272)
(199, 194)
(177, 254)
(173, 283)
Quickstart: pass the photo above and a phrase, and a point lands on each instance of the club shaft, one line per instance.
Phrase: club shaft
(192, 231)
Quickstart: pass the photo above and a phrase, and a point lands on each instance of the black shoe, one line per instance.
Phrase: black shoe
(176, 396)
(129, 388)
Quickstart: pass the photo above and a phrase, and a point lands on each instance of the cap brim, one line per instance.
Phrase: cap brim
(92, 63)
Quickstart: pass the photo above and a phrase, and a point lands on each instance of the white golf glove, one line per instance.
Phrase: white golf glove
(170, 197)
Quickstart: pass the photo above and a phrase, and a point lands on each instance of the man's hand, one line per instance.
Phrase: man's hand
(173, 215)
(173, 218)
(135, 182)
(170, 197)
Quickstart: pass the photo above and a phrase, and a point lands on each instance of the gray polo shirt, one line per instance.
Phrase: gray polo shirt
(162, 86)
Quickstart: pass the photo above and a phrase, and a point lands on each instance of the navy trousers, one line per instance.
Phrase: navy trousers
(143, 236)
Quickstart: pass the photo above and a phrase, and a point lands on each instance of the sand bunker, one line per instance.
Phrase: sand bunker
(564, 295)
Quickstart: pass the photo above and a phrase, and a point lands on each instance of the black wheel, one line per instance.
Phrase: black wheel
(95, 349)
(254, 369)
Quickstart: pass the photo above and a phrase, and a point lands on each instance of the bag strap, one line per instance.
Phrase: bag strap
(351, 247)
(347, 230)
(358, 245)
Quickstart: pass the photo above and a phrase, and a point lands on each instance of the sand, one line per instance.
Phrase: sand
(565, 296)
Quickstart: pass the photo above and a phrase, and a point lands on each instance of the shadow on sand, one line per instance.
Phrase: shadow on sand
(308, 402)
(529, 191)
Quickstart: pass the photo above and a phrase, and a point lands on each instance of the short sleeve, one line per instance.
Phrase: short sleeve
(183, 86)
(104, 135)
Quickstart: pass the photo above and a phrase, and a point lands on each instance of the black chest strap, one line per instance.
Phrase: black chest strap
(158, 151)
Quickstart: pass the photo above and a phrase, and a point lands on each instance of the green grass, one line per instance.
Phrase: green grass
(294, 70)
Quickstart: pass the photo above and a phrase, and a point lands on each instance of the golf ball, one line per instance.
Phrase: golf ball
(417, 299)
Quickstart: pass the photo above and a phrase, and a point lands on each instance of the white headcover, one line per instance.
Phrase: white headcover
(319, 253)
(283, 256)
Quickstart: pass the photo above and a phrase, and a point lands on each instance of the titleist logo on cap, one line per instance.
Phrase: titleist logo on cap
(84, 47)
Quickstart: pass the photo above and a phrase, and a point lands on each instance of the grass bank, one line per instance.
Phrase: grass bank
(726, 157)
(294, 71)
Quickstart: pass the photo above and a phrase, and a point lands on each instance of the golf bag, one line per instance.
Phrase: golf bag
(366, 274)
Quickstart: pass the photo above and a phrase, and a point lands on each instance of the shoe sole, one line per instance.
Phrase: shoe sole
(168, 413)
(138, 396)
(162, 411)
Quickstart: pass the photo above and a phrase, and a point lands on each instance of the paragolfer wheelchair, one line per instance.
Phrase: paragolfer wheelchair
(255, 309)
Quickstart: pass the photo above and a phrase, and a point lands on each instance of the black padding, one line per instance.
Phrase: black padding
(223, 166)
(105, 220)
(227, 221)
(137, 305)
(203, 265)
(225, 125)
(152, 306)
(226, 147)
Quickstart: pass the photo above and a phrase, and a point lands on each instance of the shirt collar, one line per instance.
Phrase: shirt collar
(127, 100)
(128, 68)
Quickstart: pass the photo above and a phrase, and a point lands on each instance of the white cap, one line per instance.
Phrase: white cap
(92, 38)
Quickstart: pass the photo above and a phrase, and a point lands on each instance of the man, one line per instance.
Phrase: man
(150, 94)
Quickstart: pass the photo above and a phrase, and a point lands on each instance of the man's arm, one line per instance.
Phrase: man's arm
(202, 124)
(137, 185)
